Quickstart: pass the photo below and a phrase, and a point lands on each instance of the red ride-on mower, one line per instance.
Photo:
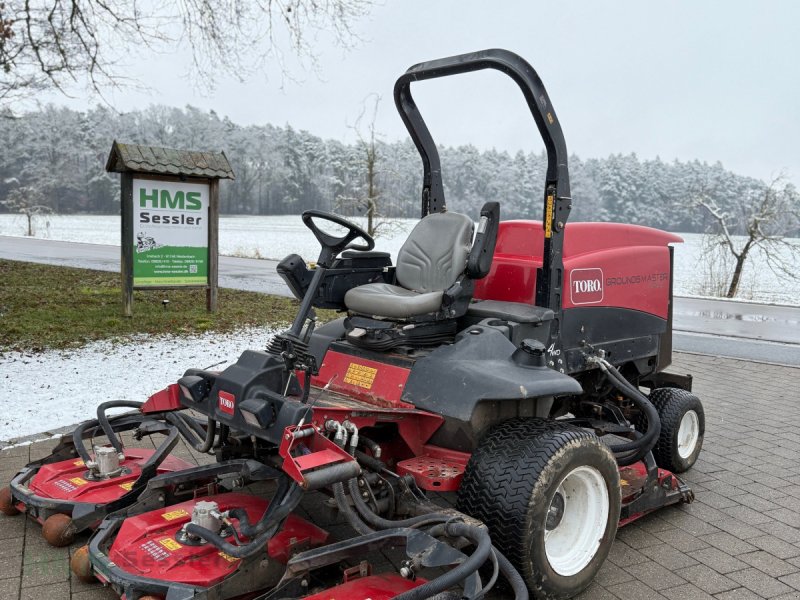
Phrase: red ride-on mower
(504, 363)
(74, 488)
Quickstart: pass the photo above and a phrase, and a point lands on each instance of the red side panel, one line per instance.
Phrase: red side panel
(374, 587)
(163, 400)
(146, 546)
(605, 264)
(66, 480)
(373, 382)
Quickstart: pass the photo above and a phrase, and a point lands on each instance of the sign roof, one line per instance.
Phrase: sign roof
(168, 161)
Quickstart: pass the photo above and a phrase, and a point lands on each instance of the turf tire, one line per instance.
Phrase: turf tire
(672, 404)
(509, 484)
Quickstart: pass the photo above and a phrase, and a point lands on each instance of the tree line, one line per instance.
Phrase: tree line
(58, 155)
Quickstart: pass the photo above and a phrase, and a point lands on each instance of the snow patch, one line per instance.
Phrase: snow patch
(55, 388)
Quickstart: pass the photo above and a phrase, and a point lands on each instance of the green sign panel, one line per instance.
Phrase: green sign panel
(170, 233)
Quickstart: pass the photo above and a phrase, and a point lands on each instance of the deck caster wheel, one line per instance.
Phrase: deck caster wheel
(550, 494)
(81, 566)
(59, 530)
(7, 503)
(683, 425)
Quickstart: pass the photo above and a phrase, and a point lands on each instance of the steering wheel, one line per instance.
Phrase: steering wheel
(332, 245)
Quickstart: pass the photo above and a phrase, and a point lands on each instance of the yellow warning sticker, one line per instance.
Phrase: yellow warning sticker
(79, 463)
(174, 514)
(126, 486)
(170, 544)
(360, 375)
(228, 557)
(548, 216)
(78, 481)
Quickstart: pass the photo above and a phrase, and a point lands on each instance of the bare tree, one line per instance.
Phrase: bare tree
(26, 201)
(762, 221)
(54, 43)
(368, 199)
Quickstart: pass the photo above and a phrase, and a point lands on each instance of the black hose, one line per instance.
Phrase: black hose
(179, 421)
(638, 448)
(102, 418)
(512, 576)
(347, 511)
(240, 514)
(480, 537)
(377, 521)
(273, 519)
(77, 439)
(210, 434)
(493, 579)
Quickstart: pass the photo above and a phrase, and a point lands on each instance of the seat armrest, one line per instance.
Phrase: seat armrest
(479, 261)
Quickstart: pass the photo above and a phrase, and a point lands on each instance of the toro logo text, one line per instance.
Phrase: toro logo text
(226, 402)
(586, 286)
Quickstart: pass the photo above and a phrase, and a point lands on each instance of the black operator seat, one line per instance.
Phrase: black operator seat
(430, 261)
(435, 271)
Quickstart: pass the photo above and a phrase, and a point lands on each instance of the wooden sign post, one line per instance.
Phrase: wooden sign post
(170, 218)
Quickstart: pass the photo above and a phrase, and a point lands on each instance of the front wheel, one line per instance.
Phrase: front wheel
(683, 425)
(550, 494)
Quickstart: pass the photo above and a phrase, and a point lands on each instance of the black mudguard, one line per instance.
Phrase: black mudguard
(453, 379)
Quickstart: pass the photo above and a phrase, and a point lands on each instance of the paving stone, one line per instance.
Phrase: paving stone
(40, 574)
(634, 590)
(686, 592)
(729, 543)
(760, 583)
(623, 555)
(46, 592)
(611, 574)
(655, 575)
(718, 560)
(9, 588)
(707, 579)
(11, 567)
(680, 540)
(738, 594)
(595, 592)
(771, 565)
(792, 580)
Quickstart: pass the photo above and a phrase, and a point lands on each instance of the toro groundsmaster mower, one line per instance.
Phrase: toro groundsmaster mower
(503, 363)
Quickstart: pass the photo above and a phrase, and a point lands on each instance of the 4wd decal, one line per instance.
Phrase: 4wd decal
(227, 401)
(586, 286)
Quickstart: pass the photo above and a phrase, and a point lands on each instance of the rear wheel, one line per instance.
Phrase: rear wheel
(683, 425)
(59, 530)
(550, 495)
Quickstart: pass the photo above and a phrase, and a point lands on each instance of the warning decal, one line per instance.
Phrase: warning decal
(360, 375)
(175, 514)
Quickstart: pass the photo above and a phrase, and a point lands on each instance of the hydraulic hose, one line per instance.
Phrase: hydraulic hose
(377, 521)
(633, 451)
(102, 418)
(201, 446)
(240, 514)
(511, 574)
(457, 574)
(273, 520)
(344, 507)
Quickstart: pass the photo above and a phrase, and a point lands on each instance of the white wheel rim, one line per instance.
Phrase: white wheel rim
(576, 521)
(688, 434)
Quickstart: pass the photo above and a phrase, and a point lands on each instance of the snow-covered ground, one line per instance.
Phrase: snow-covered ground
(42, 392)
(277, 236)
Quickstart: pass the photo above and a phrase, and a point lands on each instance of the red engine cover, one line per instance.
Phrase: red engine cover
(145, 545)
(66, 480)
(374, 587)
(605, 264)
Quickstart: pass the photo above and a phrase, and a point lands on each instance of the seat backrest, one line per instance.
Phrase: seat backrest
(435, 253)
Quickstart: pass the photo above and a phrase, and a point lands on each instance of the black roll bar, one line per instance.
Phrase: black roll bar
(557, 200)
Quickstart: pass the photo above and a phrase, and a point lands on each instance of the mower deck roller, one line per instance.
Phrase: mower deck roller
(519, 364)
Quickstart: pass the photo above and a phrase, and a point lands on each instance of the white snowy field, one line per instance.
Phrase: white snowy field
(275, 237)
(43, 392)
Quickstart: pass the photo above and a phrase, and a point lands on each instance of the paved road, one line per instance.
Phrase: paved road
(761, 332)
(739, 540)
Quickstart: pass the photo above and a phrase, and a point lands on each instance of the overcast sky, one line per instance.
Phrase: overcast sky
(713, 80)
